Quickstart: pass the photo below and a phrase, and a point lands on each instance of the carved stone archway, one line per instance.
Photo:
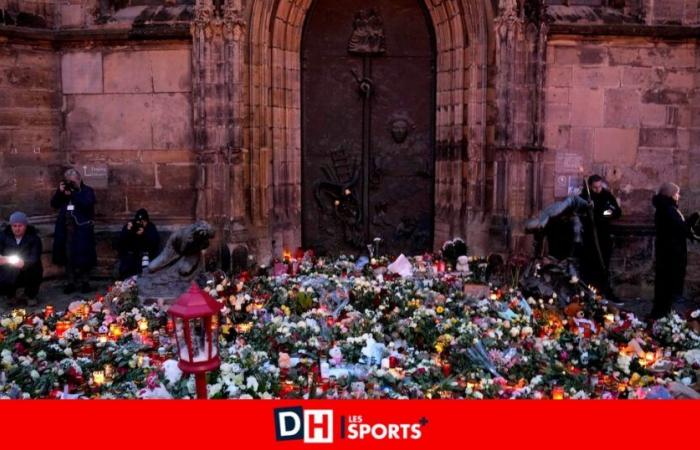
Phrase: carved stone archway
(247, 116)
(275, 114)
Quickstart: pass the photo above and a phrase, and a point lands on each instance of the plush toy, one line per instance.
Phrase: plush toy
(462, 264)
(579, 324)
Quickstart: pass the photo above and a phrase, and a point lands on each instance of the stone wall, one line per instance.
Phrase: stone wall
(626, 108)
(28, 13)
(29, 118)
(130, 108)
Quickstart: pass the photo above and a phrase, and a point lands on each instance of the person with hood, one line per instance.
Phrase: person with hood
(74, 235)
(139, 243)
(672, 234)
(597, 238)
(20, 259)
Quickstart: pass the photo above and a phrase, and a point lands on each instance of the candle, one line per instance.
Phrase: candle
(98, 377)
(143, 325)
(85, 311)
(558, 393)
(61, 327)
(115, 331)
(109, 372)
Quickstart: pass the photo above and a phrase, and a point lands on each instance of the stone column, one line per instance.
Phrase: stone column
(520, 30)
(217, 59)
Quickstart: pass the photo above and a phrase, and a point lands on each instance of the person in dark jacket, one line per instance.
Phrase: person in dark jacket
(20, 259)
(139, 243)
(672, 234)
(74, 236)
(595, 266)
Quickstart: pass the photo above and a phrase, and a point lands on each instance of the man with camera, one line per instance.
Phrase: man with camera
(74, 236)
(20, 259)
(597, 238)
(139, 243)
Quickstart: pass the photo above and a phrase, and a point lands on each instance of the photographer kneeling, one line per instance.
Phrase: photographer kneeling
(138, 244)
(20, 259)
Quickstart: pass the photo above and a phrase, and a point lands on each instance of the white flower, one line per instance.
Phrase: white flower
(252, 383)
(34, 374)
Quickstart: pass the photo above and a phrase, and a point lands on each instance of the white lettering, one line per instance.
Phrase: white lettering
(284, 432)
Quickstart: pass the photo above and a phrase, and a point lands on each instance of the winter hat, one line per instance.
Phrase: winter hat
(141, 214)
(19, 217)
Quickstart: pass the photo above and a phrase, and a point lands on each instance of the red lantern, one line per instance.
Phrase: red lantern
(195, 315)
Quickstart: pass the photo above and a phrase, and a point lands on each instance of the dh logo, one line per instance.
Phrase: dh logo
(314, 426)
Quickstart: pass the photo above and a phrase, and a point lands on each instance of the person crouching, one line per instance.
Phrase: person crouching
(20, 259)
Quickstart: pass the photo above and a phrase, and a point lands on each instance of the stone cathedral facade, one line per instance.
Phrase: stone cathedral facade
(325, 123)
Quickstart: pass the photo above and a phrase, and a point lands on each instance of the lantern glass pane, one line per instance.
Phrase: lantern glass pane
(215, 336)
(199, 340)
(181, 341)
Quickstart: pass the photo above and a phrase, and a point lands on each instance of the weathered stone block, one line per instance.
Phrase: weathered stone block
(559, 76)
(564, 55)
(557, 95)
(71, 16)
(622, 108)
(127, 72)
(81, 73)
(624, 56)
(587, 107)
(664, 96)
(639, 76)
(592, 55)
(177, 176)
(171, 116)
(652, 115)
(132, 175)
(615, 145)
(172, 70)
(582, 141)
(557, 136)
(670, 57)
(600, 77)
(658, 137)
(109, 122)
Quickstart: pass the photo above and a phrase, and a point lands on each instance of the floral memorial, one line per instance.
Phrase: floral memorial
(364, 328)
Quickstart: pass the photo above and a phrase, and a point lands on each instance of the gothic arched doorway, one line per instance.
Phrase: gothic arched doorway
(368, 156)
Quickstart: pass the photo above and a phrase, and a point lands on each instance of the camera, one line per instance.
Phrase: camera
(136, 226)
(70, 186)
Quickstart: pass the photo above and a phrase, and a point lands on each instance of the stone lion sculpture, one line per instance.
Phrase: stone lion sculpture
(171, 273)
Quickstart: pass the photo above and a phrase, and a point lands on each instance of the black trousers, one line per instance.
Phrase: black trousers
(668, 285)
(29, 279)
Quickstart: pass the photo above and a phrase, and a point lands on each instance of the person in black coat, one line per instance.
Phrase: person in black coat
(605, 208)
(20, 259)
(74, 236)
(672, 234)
(139, 243)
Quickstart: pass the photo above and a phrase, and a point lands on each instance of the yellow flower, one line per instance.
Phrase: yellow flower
(286, 310)
(440, 310)
(439, 347)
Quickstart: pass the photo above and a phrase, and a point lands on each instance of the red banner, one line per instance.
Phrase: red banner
(348, 424)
